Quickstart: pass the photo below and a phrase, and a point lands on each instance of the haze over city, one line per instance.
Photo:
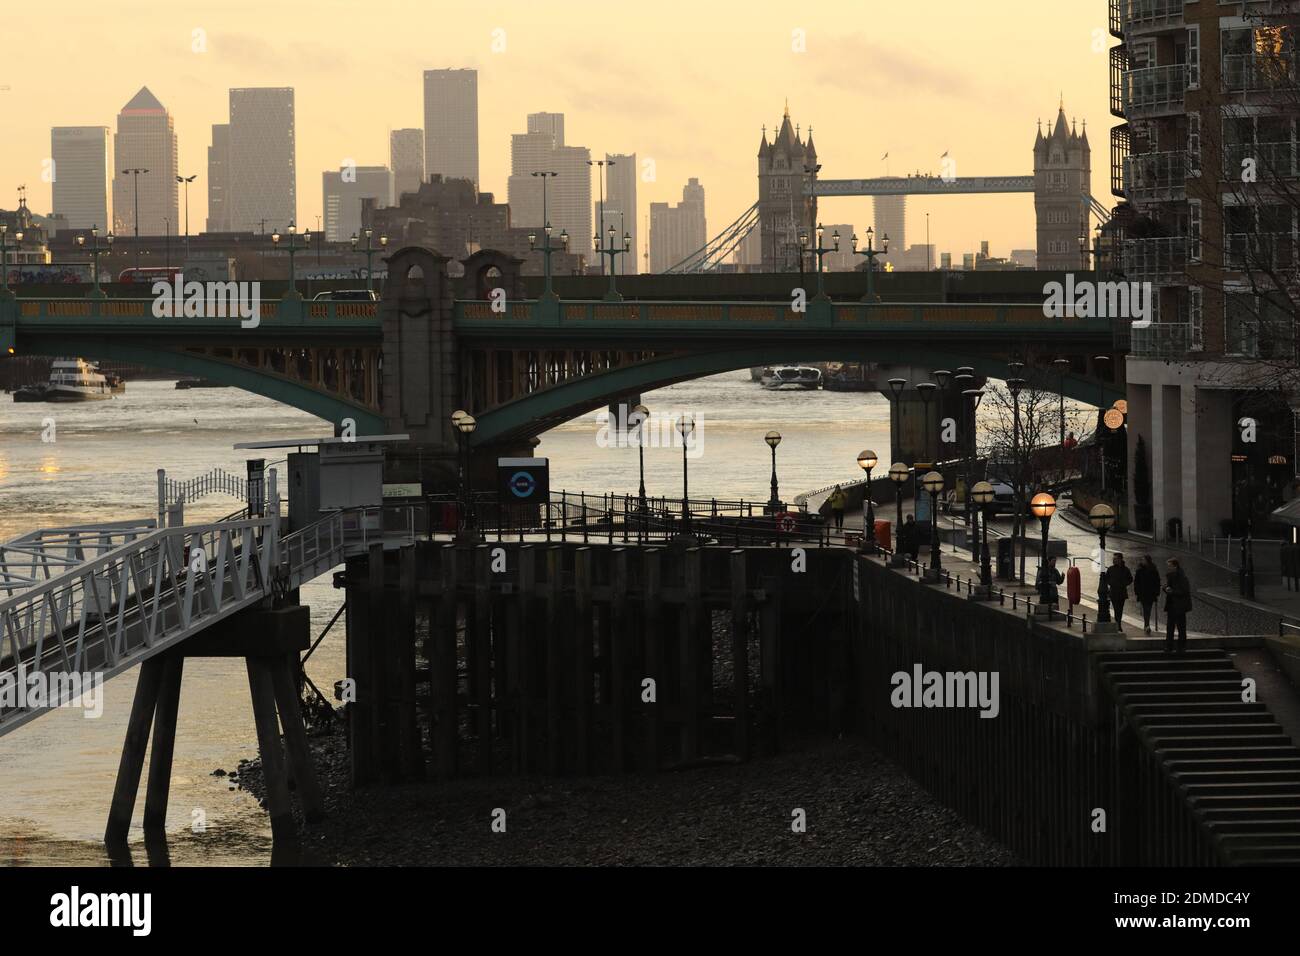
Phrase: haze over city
(689, 86)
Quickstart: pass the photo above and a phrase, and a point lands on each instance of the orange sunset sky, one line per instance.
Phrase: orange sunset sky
(687, 84)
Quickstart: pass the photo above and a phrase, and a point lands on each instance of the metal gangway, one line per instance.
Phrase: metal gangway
(133, 590)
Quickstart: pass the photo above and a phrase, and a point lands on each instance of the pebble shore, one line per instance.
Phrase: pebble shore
(860, 810)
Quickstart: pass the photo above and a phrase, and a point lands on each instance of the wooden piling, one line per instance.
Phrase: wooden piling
(690, 627)
(582, 660)
(619, 639)
(523, 633)
(442, 667)
(652, 599)
(554, 683)
(740, 651)
(479, 638)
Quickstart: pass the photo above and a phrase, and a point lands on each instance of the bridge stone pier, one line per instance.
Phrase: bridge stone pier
(421, 388)
(916, 429)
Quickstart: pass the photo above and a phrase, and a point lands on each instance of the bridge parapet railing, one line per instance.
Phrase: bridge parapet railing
(107, 614)
(746, 315)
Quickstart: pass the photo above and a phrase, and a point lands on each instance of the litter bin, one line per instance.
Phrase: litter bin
(1006, 559)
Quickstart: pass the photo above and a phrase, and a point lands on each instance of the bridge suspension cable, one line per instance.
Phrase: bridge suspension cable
(716, 250)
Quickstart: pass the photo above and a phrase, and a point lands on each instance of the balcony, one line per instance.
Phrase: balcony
(1273, 161)
(1156, 177)
(1153, 260)
(1119, 153)
(1259, 252)
(1256, 72)
(1118, 67)
(1154, 90)
(1164, 340)
(1143, 15)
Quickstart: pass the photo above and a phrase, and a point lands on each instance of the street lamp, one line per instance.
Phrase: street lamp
(898, 473)
(974, 395)
(926, 390)
(686, 425)
(95, 253)
(820, 251)
(982, 494)
(773, 438)
(370, 253)
(613, 252)
(896, 386)
(871, 252)
(135, 174)
(933, 484)
(545, 174)
(866, 461)
(293, 250)
(1102, 517)
(1043, 507)
(185, 181)
(465, 423)
(600, 210)
(641, 413)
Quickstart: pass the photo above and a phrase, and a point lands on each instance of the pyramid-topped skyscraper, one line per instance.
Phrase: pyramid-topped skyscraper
(146, 139)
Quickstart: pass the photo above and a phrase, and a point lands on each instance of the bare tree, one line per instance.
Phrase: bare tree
(1021, 436)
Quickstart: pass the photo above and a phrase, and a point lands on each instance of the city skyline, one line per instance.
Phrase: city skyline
(660, 106)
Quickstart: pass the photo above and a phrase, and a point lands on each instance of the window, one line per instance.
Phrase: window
(1239, 329)
(1193, 57)
(1193, 230)
(1193, 144)
(1195, 319)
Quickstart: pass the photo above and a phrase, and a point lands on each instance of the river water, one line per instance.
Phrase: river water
(59, 770)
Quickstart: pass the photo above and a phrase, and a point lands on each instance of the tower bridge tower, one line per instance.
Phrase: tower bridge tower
(784, 165)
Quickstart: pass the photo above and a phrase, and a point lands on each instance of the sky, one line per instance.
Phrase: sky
(688, 85)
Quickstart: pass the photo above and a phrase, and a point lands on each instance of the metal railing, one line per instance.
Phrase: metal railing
(218, 481)
(1164, 340)
(110, 613)
(1254, 72)
(1271, 160)
(1154, 90)
(40, 555)
(1254, 250)
(1145, 14)
(1155, 176)
(1161, 258)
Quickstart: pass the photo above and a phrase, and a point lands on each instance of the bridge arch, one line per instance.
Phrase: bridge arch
(535, 413)
(260, 381)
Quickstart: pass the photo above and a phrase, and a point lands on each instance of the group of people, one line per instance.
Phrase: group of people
(1113, 589)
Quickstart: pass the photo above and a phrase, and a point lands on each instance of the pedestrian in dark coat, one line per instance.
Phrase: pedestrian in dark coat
(1048, 580)
(909, 537)
(1118, 579)
(1146, 588)
(1178, 602)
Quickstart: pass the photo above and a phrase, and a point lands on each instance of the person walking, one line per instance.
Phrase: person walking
(1178, 602)
(909, 537)
(837, 501)
(1146, 588)
(1049, 579)
(1118, 579)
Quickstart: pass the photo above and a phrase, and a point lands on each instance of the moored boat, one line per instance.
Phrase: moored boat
(792, 376)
